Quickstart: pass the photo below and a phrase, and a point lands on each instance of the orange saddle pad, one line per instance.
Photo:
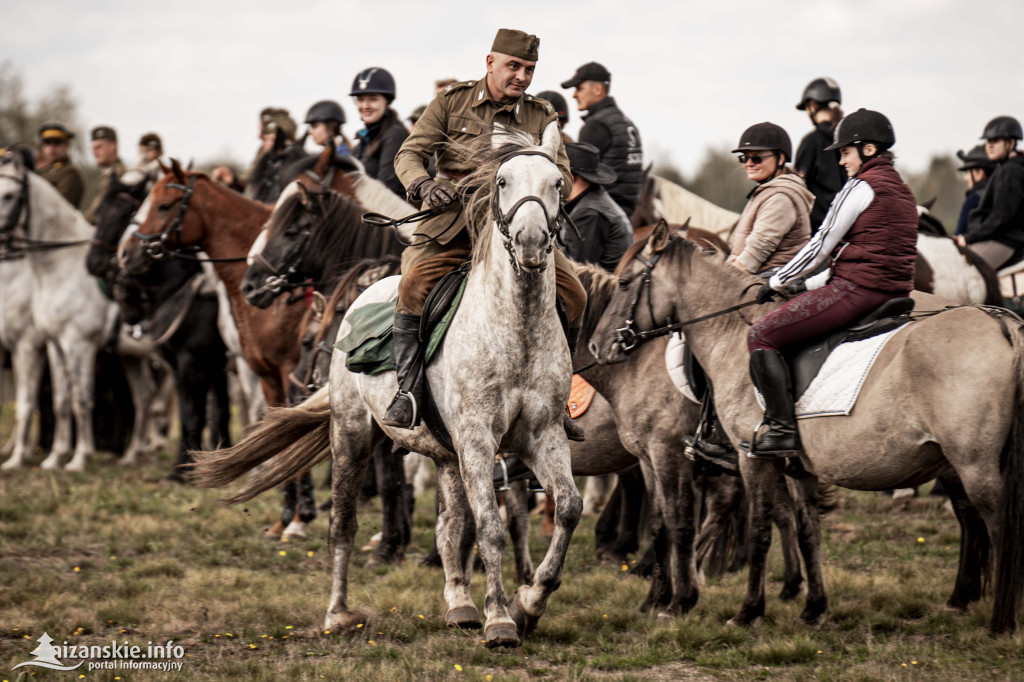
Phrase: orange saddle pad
(580, 396)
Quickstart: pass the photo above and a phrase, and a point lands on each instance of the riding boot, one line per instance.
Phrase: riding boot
(307, 502)
(404, 411)
(573, 431)
(770, 373)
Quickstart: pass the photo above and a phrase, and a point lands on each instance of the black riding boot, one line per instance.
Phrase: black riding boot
(404, 411)
(573, 431)
(770, 374)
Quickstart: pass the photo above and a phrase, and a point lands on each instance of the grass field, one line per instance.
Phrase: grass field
(121, 555)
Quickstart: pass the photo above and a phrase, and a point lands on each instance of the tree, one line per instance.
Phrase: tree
(721, 180)
(941, 183)
(20, 119)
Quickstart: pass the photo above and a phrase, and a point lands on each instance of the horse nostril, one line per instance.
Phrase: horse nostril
(593, 348)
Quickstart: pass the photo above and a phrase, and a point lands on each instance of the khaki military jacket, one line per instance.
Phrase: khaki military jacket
(117, 168)
(66, 178)
(459, 113)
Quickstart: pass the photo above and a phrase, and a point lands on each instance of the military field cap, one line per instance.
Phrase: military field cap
(516, 44)
(51, 131)
(273, 118)
(103, 133)
(151, 140)
(585, 161)
(591, 71)
(417, 113)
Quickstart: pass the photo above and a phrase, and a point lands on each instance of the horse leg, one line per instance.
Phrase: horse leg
(804, 493)
(716, 542)
(518, 514)
(631, 522)
(352, 446)
(191, 412)
(27, 363)
(676, 481)
(80, 368)
(450, 532)
(143, 388)
(391, 478)
(550, 461)
(660, 593)
(785, 520)
(302, 509)
(220, 428)
(61, 391)
(760, 479)
(975, 548)
(595, 494)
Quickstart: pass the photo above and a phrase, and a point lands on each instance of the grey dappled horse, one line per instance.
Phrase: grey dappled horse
(943, 397)
(500, 383)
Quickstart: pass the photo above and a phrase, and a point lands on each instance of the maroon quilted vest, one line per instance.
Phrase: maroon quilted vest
(879, 250)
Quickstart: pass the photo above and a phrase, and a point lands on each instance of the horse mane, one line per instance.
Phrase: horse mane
(477, 187)
(339, 239)
(929, 224)
(600, 286)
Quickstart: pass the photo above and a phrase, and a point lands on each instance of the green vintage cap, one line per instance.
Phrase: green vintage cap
(516, 44)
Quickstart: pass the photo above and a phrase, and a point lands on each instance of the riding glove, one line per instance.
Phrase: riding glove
(436, 195)
(765, 294)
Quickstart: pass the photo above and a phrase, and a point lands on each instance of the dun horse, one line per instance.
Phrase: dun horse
(926, 408)
(494, 391)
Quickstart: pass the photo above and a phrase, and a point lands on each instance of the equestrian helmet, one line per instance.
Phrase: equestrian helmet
(558, 102)
(325, 110)
(765, 136)
(822, 90)
(864, 126)
(374, 81)
(1003, 127)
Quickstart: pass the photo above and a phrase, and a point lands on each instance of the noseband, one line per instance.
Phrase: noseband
(9, 249)
(504, 220)
(155, 245)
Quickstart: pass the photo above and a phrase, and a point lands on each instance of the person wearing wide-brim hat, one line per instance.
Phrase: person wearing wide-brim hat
(977, 168)
(604, 228)
(55, 143)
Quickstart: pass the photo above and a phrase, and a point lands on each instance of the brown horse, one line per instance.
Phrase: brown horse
(954, 408)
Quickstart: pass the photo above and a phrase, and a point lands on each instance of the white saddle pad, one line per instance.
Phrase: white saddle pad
(674, 365)
(834, 391)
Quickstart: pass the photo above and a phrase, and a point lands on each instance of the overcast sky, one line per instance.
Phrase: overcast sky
(691, 74)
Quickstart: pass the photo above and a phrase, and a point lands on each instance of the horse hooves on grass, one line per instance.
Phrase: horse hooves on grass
(295, 532)
(791, 592)
(738, 622)
(383, 559)
(501, 635)
(464, 618)
(525, 623)
(345, 622)
(814, 612)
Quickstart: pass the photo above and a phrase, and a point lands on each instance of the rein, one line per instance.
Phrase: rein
(628, 337)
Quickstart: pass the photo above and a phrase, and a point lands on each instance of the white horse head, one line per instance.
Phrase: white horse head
(13, 188)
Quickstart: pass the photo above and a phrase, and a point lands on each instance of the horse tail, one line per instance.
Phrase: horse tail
(292, 438)
(1010, 553)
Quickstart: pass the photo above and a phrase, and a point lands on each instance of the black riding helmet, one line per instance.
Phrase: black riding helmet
(864, 126)
(374, 81)
(765, 136)
(822, 90)
(325, 110)
(1003, 128)
(558, 102)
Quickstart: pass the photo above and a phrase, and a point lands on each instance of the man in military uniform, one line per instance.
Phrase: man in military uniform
(151, 148)
(104, 150)
(608, 129)
(54, 142)
(461, 112)
(265, 180)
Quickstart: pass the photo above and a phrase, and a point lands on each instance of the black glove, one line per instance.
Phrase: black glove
(435, 195)
(765, 294)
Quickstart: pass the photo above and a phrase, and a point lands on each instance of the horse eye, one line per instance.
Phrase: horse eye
(558, 183)
(164, 207)
(501, 183)
(8, 197)
(624, 284)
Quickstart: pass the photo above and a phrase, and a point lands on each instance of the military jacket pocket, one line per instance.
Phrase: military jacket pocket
(459, 126)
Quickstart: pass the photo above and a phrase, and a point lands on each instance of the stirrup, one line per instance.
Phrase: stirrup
(411, 423)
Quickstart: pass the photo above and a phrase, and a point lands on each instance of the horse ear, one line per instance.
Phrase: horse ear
(659, 237)
(303, 194)
(319, 304)
(551, 141)
(191, 162)
(163, 167)
(176, 169)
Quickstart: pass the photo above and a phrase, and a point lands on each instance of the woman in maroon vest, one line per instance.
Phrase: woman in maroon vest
(870, 236)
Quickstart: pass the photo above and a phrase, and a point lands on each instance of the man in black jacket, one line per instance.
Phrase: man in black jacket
(607, 128)
(604, 230)
(995, 230)
(821, 170)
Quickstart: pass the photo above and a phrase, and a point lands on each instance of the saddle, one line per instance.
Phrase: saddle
(806, 360)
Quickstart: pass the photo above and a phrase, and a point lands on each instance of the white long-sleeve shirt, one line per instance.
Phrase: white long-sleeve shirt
(855, 196)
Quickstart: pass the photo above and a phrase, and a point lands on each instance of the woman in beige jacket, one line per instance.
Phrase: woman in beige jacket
(774, 226)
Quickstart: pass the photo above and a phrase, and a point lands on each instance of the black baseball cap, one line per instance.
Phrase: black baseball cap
(591, 71)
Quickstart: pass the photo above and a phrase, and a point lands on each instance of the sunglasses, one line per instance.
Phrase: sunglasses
(755, 158)
(54, 141)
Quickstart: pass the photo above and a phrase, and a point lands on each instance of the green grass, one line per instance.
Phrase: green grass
(157, 561)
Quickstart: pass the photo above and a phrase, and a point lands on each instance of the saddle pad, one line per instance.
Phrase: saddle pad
(369, 342)
(675, 363)
(834, 391)
(580, 396)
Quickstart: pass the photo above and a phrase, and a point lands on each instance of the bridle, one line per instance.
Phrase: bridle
(283, 276)
(504, 220)
(629, 337)
(13, 246)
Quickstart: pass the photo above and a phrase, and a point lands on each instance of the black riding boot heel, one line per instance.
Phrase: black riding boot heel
(404, 411)
(770, 373)
(573, 431)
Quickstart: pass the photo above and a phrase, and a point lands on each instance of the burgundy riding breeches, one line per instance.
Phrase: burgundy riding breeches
(837, 304)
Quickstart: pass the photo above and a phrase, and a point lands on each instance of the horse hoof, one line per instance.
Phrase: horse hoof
(463, 617)
(501, 634)
(738, 622)
(295, 532)
(348, 621)
(373, 543)
(12, 463)
(50, 464)
(75, 467)
(274, 532)
(525, 623)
